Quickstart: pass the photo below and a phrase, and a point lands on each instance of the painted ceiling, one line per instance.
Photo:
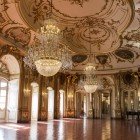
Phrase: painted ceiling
(110, 27)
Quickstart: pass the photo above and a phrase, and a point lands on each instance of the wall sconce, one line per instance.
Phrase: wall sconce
(70, 96)
(27, 92)
(44, 94)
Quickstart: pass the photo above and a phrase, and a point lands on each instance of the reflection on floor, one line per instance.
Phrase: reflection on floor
(72, 129)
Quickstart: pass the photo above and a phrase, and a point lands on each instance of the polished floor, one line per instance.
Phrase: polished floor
(72, 129)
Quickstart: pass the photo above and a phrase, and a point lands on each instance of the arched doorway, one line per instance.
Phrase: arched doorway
(104, 99)
(82, 104)
(50, 103)
(3, 98)
(13, 87)
(61, 105)
(34, 106)
(105, 105)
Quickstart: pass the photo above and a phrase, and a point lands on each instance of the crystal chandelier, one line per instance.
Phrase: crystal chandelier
(48, 57)
(46, 54)
(90, 68)
(91, 83)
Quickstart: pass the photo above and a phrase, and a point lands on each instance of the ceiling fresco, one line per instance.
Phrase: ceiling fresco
(110, 27)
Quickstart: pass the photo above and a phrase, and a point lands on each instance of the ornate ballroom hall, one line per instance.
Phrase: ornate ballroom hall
(69, 69)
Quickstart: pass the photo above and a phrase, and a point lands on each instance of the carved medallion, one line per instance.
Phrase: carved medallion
(124, 54)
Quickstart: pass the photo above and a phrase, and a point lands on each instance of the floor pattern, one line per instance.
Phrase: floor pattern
(72, 129)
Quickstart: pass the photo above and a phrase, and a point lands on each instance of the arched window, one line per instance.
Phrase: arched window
(3, 93)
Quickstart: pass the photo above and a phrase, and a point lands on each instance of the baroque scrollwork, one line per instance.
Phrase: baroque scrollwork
(78, 2)
(102, 36)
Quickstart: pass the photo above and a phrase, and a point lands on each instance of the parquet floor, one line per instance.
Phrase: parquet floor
(72, 129)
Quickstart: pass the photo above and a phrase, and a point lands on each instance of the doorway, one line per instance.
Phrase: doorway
(61, 105)
(106, 106)
(50, 103)
(13, 88)
(35, 96)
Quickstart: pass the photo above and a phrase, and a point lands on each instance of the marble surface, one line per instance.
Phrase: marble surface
(72, 129)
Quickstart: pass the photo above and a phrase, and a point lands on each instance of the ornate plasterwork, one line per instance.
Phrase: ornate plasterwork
(103, 37)
(79, 2)
(104, 23)
(12, 30)
(19, 34)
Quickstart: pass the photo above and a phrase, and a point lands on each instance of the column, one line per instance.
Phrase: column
(129, 101)
(50, 104)
(136, 99)
(112, 97)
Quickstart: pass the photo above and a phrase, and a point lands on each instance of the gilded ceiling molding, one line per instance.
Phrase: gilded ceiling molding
(35, 11)
(103, 37)
(106, 22)
(133, 35)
